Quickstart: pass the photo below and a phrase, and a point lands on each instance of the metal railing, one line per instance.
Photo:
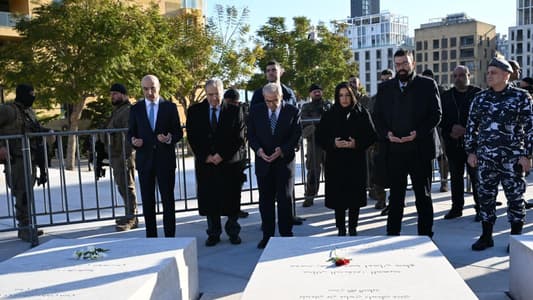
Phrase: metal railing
(77, 195)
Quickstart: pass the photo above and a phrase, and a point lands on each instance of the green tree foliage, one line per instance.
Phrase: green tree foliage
(217, 50)
(325, 58)
(74, 49)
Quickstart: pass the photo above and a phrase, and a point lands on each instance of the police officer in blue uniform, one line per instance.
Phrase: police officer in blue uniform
(498, 143)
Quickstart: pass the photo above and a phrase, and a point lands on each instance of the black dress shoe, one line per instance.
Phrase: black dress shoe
(297, 220)
(262, 244)
(243, 214)
(235, 240)
(211, 241)
(453, 213)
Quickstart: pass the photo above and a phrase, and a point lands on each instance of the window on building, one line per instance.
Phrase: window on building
(378, 64)
(444, 43)
(444, 80)
(519, 35)
(356, 56)
(437, 78)
(444, 67)
(368, 87)
(453, 65)
(519, 48)
(419, 69)
(367, 55)
(419, 57)
(453, 42)
(425, 56)
(435, 68)
(378, 54)
(444, 54)
(435, 55)
(425, 45)
(453, 54)
(367, 66)
(367, 76)
(466, 53)
(435, 44)
(466, 40)
(389, 53)
(418, 46)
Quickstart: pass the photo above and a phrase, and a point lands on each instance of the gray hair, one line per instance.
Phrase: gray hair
(216, 83)
(273, 88)
(153, 79)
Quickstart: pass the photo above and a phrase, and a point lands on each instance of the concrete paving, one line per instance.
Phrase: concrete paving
(226, 268)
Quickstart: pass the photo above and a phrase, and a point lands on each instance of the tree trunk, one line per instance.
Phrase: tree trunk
(74, 124)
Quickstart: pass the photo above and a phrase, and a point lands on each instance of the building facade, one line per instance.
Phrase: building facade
(361, 8)
(455, 40)
(373, 40)
(521, 37)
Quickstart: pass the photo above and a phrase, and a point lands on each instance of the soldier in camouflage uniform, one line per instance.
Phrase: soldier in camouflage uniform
(498, 143)
(314, 158)
(123, 169)
(19, 118)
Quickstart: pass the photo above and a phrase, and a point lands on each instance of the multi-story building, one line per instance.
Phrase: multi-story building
(9, 8)
(521, 37)
(361, 8)
(373, 39)
(455, 40)
(502, 44)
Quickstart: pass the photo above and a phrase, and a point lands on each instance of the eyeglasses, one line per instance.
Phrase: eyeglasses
(405, 63)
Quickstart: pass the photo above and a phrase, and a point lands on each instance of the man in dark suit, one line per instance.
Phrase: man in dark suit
(406, 112)
(154, 130)
(273, 133)
(214, 133)
(273, 72)
(455, 109)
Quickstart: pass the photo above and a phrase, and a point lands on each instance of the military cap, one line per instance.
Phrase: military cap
(232, 94)
(501, 63)
(314, 86)
(117, 87)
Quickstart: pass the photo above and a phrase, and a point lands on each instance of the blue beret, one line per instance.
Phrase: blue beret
(501, 63)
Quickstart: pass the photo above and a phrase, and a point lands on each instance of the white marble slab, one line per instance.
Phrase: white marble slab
(521, 267)
(137, 268)
(381, 268)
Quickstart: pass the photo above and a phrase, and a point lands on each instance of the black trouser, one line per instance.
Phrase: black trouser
(276, 186)
(340, 219)
(457, 164)
(165, 180)
(399, 166)
(214, 226)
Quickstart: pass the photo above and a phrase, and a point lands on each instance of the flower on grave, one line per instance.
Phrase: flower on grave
(90, 253)
(338, 260)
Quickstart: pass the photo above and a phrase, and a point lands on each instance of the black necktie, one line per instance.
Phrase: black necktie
(214, 119)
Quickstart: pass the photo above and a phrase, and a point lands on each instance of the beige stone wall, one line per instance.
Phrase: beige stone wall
(475, 54)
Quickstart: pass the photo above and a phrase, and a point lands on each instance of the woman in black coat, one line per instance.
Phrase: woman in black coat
(345, 132)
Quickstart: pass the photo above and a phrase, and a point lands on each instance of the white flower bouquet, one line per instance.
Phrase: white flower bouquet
(90, 253)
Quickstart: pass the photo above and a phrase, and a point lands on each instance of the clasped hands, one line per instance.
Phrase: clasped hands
(457, 132)
(270, 158)
(340, 143)
(394, 139)
(213, 159)
(163, 138)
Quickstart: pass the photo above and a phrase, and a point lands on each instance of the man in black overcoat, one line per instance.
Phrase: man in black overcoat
(406, 112)
(214, 133)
